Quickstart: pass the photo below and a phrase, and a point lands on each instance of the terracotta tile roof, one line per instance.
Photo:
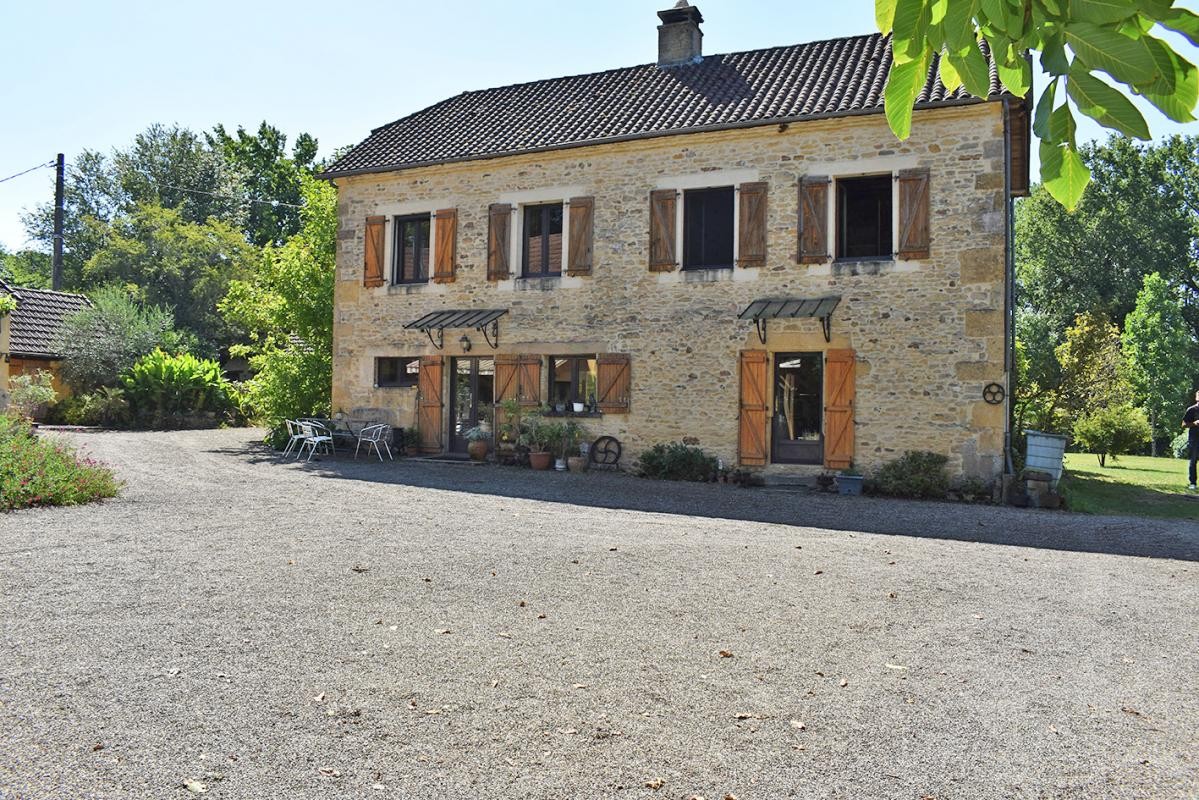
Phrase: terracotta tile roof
(838, 77)
(39, 314)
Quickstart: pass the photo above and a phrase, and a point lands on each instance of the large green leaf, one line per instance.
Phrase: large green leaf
(972, 66)
(1040, 120)
(1062, 127)
(959, 24)
(1016, 78)
(1125, 59)
(1176, 89)
(1063, 174)
(1101, 12)
(1053, 55)
(1105, 105)
(909, 28)
(884, 15)
(949, 74)
(903, 86)
(1184, 22)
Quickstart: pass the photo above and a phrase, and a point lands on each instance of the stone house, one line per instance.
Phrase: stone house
(27, 334)
(732, 251)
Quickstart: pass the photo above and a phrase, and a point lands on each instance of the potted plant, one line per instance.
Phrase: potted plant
(572, 435)
(849, 481)
(476, 439)
(578, 407)
(539, 435)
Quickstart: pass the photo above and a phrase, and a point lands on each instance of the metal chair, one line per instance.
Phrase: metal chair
(314, 435)
(373, 436)
(293, 436)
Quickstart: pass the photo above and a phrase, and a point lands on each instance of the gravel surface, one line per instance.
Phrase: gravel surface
(420, 630)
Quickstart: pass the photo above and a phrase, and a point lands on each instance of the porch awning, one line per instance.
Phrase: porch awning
(821, 308)
(460, 318)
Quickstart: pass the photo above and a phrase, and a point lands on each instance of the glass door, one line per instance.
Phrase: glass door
(472, 398)
(798, 423)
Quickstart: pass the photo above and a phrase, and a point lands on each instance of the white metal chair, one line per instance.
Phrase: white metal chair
(314, 435)
(373, 436)
(294, 436)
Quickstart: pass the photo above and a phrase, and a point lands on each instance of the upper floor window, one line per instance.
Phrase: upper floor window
(864, 227)
(708, 228)
(542, 240)
(410, 250)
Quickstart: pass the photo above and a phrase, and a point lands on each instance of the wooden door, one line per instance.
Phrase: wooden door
(430, 404)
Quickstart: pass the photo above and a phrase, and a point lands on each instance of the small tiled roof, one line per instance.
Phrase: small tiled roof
(838, 77)
(39, 315)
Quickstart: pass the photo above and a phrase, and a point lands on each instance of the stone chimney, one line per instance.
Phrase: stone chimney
(680, 41)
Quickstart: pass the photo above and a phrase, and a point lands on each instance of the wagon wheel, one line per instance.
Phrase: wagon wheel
(993, 393)
(605, 451)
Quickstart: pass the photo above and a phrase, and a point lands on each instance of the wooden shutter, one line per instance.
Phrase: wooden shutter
(528, 387)
(1018, 142)
(913, 213)
(662, 256)
(446, 222)
(751, 229)
(612, 383)
(813, 219)
(506, 383)
(429, 404)
(580, 252)
(838, 408)
(372, 272)
(751, 433)
(499, 251)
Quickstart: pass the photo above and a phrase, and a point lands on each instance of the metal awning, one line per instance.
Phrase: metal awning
(759, 311)
(460, 318)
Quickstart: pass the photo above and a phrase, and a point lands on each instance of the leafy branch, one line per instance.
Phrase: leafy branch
(1076, 40)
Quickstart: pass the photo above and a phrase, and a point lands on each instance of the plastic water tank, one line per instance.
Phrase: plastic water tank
(1045, 453)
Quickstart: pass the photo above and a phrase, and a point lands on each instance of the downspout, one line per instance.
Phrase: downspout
(1009, 277)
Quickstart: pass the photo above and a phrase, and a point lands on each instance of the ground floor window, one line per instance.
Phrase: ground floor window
(798, 422)
(391, 371)
(573, 380)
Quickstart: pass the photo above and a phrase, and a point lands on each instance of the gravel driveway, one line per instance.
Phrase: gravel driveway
(419, 630)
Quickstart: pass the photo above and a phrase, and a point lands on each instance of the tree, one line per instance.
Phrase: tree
(264, 172)
(1093, 370)
(1157, 348)
(1113, 430)
(1075, 40)
(25, 268)
(100, 342)
(183, 266)
(286, 306)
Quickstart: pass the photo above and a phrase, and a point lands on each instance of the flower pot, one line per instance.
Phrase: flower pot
(541, 460)
(578, 408)
(560, 464)
(849, 484)
(477, 450)
(577, 463)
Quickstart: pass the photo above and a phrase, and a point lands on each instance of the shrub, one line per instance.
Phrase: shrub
(1181, 446)
(917, 473)
(30, 395)
(676, 462)
(99, 343)
(165, 390)
(1114, 431)
(106, 406)
(37, 472)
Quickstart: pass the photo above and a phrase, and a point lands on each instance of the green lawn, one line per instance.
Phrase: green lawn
(1139, 485)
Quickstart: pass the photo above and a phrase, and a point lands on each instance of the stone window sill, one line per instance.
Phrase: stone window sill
(409, 288)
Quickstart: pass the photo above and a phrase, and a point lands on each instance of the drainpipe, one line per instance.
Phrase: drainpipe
(1009, 277)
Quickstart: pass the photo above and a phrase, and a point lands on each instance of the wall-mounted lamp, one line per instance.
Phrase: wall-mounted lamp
(465, 342)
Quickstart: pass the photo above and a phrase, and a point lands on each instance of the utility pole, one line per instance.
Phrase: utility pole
(56, 269)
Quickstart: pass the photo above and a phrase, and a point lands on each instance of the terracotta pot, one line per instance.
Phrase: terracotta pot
(577, 463)
(541, 460)
(477, 450)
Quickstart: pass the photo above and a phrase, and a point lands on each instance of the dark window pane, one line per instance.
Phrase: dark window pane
(411, 249)
(708, 228)
(542, 243)
(864, 217)
(397, 371)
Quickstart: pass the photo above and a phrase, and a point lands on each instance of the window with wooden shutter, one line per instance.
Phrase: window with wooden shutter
(913, 213)
(445, 257)
(499, 251)
(839, 393)
(613, 383)
(580, 252)
(528, 390)
(430, 404)
(813, 219)
(662, 223)
(372, 272)
(751, 431)
(751, 237)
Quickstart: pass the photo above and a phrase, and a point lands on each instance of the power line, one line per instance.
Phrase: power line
(27, 171)
(272, 203)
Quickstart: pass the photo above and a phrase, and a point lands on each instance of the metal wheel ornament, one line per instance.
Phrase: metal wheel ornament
(605, 451)
(993, 393)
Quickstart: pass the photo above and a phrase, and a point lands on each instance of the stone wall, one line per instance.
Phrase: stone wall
(929, 334)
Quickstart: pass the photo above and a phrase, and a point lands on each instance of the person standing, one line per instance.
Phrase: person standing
(1190, 421)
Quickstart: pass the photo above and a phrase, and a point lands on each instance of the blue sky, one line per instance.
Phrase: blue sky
(92, 75)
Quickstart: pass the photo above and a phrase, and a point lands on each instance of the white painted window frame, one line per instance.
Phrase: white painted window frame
(518, 200)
